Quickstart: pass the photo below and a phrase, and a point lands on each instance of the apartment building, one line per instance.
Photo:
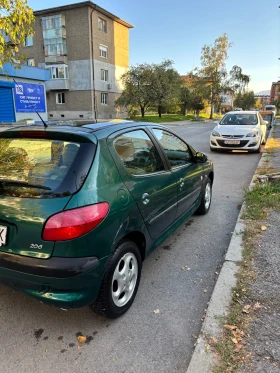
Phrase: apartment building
(86, 49)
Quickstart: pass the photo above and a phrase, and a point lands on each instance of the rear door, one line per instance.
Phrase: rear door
(144, 173)
(187, 173)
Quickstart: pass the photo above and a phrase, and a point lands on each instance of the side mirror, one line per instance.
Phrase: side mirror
(265, 122)
(217, 122)
(201, 157)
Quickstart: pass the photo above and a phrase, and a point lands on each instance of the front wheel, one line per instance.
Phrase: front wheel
(206, 198)
(120, 282)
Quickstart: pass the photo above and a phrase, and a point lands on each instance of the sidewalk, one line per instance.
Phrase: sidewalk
(263, 338)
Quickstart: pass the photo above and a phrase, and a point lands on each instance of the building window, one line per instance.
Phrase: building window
(60, 98)
(104, 98)
(55, 47)
(104, 75)
(28, 41)
(58, 72)
(30, 62)
(102, 25)
(53, 22)
(103, 51)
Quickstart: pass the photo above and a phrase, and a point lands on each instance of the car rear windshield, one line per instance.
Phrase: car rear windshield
(43, 168)
(239, 119)
(270, 108)
(267, 117)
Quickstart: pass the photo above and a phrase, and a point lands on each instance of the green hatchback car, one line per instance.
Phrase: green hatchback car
(82, 207)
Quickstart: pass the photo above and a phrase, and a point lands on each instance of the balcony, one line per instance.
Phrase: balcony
(57, 85)
(54, 33)
(56, 59)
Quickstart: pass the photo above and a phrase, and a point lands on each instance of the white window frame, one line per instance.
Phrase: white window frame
(104, 98)
(102, 25)
(31, 61)
(60, 98)
(104, 75)
(28, 41)
(56, 74)
(103, 51)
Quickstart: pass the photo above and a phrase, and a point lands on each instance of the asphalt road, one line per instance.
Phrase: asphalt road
(39, 338)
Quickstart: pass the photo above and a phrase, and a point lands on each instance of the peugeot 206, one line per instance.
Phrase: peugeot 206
(82, 207)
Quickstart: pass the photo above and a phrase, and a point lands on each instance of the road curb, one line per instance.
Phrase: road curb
(203, 359)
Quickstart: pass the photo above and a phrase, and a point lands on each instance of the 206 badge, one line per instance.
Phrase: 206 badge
(35, 246)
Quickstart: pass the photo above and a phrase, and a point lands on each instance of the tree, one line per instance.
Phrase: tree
(213, 71)
(165, 84)
(137, 87)
(245, 100)
(16, 23)
(238, 81)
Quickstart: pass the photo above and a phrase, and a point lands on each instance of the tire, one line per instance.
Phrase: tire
(120, 282)
(206, 198)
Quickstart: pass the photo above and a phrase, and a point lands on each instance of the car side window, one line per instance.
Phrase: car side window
(138, 153)
(176, 150)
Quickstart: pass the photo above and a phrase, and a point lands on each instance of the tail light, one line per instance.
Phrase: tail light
(74, 223)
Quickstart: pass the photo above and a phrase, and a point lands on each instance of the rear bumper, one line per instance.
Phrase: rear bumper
(75, 284)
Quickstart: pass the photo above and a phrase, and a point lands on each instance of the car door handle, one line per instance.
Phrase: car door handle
(145, 198)
(182, 182)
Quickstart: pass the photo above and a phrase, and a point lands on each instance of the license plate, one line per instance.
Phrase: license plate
(233, 142)
(3, 235)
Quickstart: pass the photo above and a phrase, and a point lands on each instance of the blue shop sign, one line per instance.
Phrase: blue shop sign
(29, 97)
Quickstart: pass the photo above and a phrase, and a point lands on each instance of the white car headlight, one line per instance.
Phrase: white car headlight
(252, 134)
(216, 134)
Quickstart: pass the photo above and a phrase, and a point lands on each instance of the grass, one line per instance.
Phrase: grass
(258, 201)
(154, 118)
(260, 198)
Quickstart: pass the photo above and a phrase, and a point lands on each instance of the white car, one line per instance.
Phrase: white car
(271, 108)
(242, 130)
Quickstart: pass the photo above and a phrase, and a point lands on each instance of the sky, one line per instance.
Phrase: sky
(178, 29)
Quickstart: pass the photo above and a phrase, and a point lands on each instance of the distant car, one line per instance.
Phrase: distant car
(269, 117)
(82, 207)
(271, 108)
(243, 130)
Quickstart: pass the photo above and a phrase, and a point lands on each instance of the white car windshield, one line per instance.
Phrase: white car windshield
(239, 119)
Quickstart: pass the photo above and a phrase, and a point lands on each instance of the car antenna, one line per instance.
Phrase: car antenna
(20, 89)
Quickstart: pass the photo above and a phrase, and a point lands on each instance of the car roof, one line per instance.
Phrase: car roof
(243, 112)
(81, 130)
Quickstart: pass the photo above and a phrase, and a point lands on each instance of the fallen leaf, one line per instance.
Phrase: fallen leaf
(82, 338)
(214, 340)
(230, 327)
(79, 347)
(263, 228)
(205, 291)
(46, 350)
(234, 340)
(246, 308)
(257, 306)
(238, 347)
(207, 346)
(156, 311)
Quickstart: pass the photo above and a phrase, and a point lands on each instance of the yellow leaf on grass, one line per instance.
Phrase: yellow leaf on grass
(234, 340)
(82, 338)
(263, 228)
(246, 308)
(230, 327)
(238, 347)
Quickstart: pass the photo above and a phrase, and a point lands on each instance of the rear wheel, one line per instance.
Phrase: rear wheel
(205, 198)
(120, 282)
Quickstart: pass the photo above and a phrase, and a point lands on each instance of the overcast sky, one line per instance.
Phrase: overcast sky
(178, 29)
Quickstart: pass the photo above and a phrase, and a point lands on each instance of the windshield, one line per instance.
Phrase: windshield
(43, 168)
(239, 119)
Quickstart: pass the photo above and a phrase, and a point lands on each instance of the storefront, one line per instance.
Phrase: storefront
(22, 93)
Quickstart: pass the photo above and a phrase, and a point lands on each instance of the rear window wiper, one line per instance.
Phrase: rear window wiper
(5, 183)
